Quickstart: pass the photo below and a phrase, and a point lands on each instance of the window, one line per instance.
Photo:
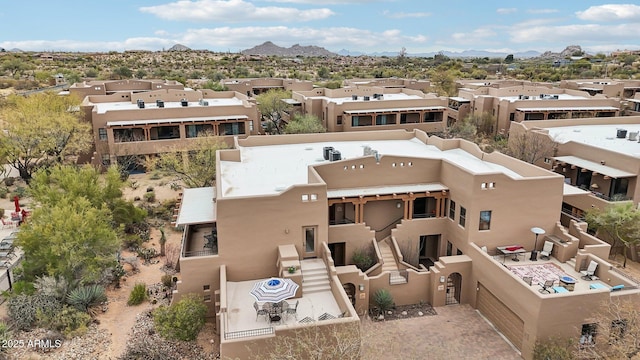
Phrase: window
(381, 119)
(452, 210)
(449, 248)
(339, 120)
(314, 197)
(458, 252)
(207, 298)
(588, 335)
(618, 328)
(463, 216)
(106, 159)
(305, 197)
(102, 134)
(206, 287)
(309, 239)
(485, 220)
(355, 120)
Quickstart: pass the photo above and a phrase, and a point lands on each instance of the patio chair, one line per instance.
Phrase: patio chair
(527, 279)
(292, 310)
(7, 224)
(589, 274)
(260, 311)
(546, 250)
(275, 318)
(547, 285)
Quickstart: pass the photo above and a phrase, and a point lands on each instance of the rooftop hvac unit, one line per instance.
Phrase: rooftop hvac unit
(354, 97)
(184, 102)
(366, 151)
(375, 96)
(203, 102)
(556, 97)
(541, 96)
(335, 155)
(621, 134)
(159, 103)
(325, 151)
(366, 98)
(140, 103)
(633, 135)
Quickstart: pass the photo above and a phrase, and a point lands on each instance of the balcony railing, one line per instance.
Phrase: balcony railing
(248, 333)
(205, 252)
(424, 215)
(341, 222)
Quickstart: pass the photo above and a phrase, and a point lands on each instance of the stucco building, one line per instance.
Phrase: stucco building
(145, 123)
(525, 103)
(598, 157)
(109, 87)
(372, 108)
(256, 86)
(444, 222)
(397, 83)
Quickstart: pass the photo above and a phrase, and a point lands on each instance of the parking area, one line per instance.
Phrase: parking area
(457, 332)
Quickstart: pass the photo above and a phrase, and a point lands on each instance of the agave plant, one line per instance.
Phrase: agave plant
(87, 298)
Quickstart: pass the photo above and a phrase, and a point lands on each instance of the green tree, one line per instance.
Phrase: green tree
(508, 59)
(197, 167)
(443, 82)
(70, 239)
(183, 320)
(304, 124)
(42, 129)
(123, 72)
(463, 129)
(620, 222)
(272, 107)
(15, 66)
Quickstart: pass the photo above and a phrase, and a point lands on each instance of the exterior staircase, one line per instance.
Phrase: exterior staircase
(315, 277)
(389, 262)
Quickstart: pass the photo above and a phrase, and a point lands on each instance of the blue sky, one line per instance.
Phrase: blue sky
(355, 25)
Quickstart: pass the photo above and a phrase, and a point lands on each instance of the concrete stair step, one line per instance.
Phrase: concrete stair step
(315, 289)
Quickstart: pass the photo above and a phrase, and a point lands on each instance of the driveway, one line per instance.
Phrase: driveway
(457, 332)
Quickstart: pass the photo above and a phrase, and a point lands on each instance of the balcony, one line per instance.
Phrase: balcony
(200, 240)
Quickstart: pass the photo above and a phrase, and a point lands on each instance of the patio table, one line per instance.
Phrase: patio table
(514, 250)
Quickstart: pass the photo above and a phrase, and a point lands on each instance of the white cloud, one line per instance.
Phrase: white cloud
(230, 11)
(574, 34)
(505, 11)
(474, 37)
(315, 2)
(402, 15)
(542, 11)
(611, 12)
(139, 43)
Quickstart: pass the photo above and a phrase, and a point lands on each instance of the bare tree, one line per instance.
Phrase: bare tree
(618, 331)
(530, 147)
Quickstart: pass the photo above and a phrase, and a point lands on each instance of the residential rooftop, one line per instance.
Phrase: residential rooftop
(102, 108)
(544, 97)
(271, 169)
(360, 98)
(601, 136)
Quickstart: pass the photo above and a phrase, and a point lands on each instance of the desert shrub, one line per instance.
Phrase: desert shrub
(4, 191)
(51, 286)
(147, 254)
(150, 196)
(156, 175)
(175, 186)
(133, 261)
(9, 181)
(20, 192)
(131, 241)
(70, 321)
(23, 288)
(150, 188)
(87, 298)
(22, 309)
(182, 321)
(553, 348)
(362, 258)
(167, 280)
(383, 300)
(5, 335)
(138, 294)
(165, 209)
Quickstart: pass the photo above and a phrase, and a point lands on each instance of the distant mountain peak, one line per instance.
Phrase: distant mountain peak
(270, 49)
(179, 47)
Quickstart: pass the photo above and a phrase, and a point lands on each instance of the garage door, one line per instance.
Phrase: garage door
(500, 315)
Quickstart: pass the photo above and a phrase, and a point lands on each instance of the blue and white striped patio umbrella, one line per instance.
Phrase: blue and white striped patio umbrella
(274, 290)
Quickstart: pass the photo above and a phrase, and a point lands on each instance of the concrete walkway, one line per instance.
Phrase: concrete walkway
(457, 332)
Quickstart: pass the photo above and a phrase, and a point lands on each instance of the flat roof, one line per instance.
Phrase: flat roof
(594, 166)
(537, 97)
(568, 108)
(102, 108)
(386, 190)
(600, 136)
(573, 190)
(197, 206)
(459, 99)
(271, 169)
(176, 120)
(385, 97)
(414, 108)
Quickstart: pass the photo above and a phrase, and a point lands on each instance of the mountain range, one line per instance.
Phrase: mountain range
(270, 49)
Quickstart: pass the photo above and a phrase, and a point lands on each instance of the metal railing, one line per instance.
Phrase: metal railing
(424, 215)
(206, 252)
(248, 333)
(341, 222)
(394, 222)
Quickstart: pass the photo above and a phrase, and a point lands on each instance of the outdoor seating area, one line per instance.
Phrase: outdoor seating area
(7, 249)
(247, 313)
